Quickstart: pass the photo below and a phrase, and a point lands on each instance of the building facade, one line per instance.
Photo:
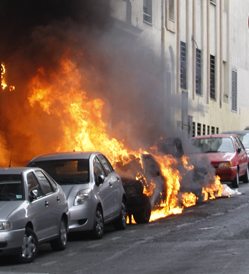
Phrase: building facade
(204, 48)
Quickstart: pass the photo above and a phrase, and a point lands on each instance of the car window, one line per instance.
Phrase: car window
(33, 184)
(240, 144)
(66, 171)
(237, 144)
(45, 185)
(52, 181)
(11, 188)
(107, 166)
(97, 168)
(245, 140)
(211, 145)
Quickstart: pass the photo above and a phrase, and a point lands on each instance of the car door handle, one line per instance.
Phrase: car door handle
(46, 203)
(118, 178)
(110, 184)
(58, 199)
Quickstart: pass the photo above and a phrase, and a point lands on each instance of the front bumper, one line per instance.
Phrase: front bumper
(82, 217)
(226, 173)
(11, 241)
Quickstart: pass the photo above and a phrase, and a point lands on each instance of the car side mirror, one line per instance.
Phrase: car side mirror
(33, 195)
(239, 149)
(100, 180)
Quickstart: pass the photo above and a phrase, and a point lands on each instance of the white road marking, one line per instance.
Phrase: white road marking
(49, 263)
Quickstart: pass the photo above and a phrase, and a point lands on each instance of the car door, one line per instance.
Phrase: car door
(114, 182)
(104, 192)
(52, 203)
(39, 209)
(242, 156)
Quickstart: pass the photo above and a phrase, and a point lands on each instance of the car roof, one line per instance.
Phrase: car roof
(64, 156)
(15, 170)
(237, 131)
(215, 136)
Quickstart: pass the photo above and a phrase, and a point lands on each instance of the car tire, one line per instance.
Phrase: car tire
(29, 247)
(61, 242)
(245, 178)
(120, 222)
(235, 182)
(143, 215)
(98, 228)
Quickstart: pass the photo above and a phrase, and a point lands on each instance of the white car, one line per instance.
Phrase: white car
(93, 189)
(33, 210)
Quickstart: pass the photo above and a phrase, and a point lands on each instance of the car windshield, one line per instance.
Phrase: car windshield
(245, 140)
(213, 145)
(11, 188)
(66, 171)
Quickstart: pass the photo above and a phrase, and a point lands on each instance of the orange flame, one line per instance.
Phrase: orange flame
(189, 199)
(3, 82)
(185, 163)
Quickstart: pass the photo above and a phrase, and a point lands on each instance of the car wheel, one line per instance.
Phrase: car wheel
(98, 228)
(143, 215)
(29, 247)
(60, 243)
(235, 182)
(120, 223)
(246, 177)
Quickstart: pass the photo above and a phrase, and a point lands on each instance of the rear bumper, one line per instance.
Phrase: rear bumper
(133, 203)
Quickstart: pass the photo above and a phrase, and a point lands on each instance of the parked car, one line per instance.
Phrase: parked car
(227, 155)
(244, 137)
(33, 210)
(135, 178)
(93, 189)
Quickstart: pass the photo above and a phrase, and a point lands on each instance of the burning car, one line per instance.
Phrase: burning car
(93, 189)
(195, 174)
(144, 186)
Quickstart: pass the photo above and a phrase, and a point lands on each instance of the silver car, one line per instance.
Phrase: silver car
(33, 210)
(93, 189)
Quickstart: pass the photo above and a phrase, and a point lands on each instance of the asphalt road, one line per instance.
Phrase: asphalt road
(211, 237)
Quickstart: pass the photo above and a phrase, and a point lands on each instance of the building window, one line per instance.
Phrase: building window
(204, 130)
(147, 9)
(170, 15)
(234, 90)
(193, 132)
(213, 130)
(198, 71)
(217, 130)
(198, 129)
(183, 65)
(208, 130)
(172, 10)
(212, 77)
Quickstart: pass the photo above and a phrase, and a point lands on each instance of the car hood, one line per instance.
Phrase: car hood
(7, 207)
(71, 190)
(220, 157)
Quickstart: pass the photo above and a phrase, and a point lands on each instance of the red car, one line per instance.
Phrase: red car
(227, 155)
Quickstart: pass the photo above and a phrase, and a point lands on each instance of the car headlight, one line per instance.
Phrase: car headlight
(225, 164)
(130, 190)
(5, 225)
(81, 197)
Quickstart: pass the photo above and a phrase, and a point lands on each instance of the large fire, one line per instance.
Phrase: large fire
(61, 96)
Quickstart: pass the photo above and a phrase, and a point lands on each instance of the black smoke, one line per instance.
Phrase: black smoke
(128, 79)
